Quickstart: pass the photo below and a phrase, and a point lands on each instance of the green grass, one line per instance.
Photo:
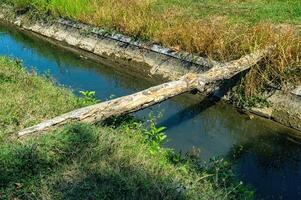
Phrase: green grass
(27, 99)
(81, 161)
(278, 11)
(251, 11)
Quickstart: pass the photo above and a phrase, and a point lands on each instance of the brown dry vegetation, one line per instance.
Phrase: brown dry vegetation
(215, 37)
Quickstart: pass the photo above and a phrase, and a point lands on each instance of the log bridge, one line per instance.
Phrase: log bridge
(131, 103)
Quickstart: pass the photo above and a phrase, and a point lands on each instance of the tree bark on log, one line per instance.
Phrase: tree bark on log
(151, 96)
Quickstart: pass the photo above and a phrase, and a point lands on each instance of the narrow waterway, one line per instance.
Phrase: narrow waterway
(264, 157)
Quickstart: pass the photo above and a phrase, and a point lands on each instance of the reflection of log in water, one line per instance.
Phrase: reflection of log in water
(151, 96)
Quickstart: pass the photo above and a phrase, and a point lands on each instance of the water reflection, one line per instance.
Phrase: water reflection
(263, 156)
(272, 164)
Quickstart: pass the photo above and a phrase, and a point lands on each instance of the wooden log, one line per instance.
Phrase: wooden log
(151, 96)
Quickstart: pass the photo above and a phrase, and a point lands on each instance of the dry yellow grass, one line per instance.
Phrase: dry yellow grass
(214, 36)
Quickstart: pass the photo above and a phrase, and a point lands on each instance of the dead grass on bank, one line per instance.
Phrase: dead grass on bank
(214, 37)
(223, 41)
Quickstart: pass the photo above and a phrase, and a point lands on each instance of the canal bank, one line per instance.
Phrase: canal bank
(147, 59)
(262, 153)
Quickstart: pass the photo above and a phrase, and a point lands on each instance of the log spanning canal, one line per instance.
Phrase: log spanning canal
(151, 96)
(262, 155)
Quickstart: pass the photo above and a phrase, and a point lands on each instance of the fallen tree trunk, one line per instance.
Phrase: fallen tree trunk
(151, 96)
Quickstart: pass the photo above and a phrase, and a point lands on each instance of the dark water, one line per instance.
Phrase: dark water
(264, 157)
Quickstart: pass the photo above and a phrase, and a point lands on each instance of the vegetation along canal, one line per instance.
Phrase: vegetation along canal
(260, 150)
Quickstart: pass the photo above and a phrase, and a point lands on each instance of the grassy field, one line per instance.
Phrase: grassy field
(81, 161)
(219, 29)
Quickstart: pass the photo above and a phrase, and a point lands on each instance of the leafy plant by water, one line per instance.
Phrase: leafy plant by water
(242, 100)
(155, 137)
(88, 97)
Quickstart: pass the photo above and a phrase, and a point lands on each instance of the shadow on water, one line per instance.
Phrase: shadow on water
(200, 105)
(268, 161)
(188, 113)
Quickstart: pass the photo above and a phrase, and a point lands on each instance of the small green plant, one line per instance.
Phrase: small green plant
(240, 99)
(88, 97)
(155, 136)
